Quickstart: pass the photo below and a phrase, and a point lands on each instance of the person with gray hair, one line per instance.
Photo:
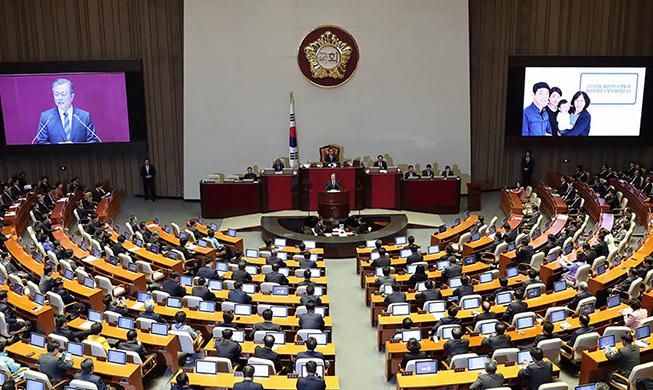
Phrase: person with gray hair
(65, 123)
(490, 378)
(148, 305)
(582, 294)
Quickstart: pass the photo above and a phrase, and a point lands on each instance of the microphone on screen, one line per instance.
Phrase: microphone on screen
(87, 128)
(42, 127)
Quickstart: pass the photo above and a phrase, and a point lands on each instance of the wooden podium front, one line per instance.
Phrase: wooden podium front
(333, 205)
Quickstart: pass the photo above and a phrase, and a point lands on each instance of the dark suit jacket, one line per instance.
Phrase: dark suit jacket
(601, 248)
(497, 341)
(276, 277)
(524, 255)
(153, 316)
(144, 172)
(311, 382)
(134, 347)
(579, 332)
(265, 353)
(453, 271)
(248, 385)
(429, 295)
(53, 132)
(410, 174)
(463, 290)
(278, 167)
(311, 321)
(514, 308)
(239, 296)
(207, 272)
(627, 356)
(427, 173)
(203, 292)
(413, 356)
(625, 285)
(305, 298)
(484, 316)
(228, 349)
(384, 165)
(537, 373)
(90, 377)
(72, 335)
(445, 321)
(241, 276)
(54, 367)
(456, 347)
(528, 165)
(414, 258)
(381, 262)
(16, 191)
(573, 304)
(330, 186)
(331, 158)
(395, 297)
(173, 288)
(487, 381)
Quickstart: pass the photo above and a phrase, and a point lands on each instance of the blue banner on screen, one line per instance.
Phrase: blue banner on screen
(583, 101)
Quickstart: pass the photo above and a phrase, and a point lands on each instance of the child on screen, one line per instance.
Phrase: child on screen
(563, 117)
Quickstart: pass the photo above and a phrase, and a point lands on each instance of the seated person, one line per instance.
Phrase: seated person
(227, 320)
(415, 256)
(310, 352)
(182, 382)
(248, 380)
(457, 345)
(311, 381)
(149, 312)
(268, 245)
(538, 372)
(464, 289)
(532, 279)
(448, 172)
(486, 314)
(207, 271)
(386, 278)
(46, 284)
(250, 175)
(452, 311)
(274, 259)
(14, 322)
(115, 305)
(87, 374)
(267, 324)
(515, 307)
(237, 295)
(61, 329)
(396, 296)
(311, 319)
(266, 352)
(275, 276)
(54, 366)
(410, 173)
(454, 270)
(133, 344)
(306, 262)
(238, 257)
(499, 339)
(202, 291)
(381, 261)
(582, 294)
(210, 235)
(225, 347)
(637, 314)
(181, 326)
(428, 172)
(488, 379)
(241, 274)
(307, 279)
(278, 165)
(414, 352)
(11, 363)
(547, 334)
(172, 286)
(419, 275)
(310, 296)
(331, 157)
(182, 248)
(96, 336)
(380, 163)
(117, 248)
(430, 294)
(585, 328)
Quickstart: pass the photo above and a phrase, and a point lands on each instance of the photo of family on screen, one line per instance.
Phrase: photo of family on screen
(551, 115)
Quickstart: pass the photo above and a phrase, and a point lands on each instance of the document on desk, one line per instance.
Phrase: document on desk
(150, 226)
(565, 325)
(191, 246)
(327, 234)
(86, 325)
(134, 249)
(137, 306)
(641, 344)
(88, 259)
(438, 316)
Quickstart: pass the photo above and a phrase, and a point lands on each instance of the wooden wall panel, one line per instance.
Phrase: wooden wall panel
(59, 30)
(500, 28)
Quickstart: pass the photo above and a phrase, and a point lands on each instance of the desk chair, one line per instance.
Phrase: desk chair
(190, 235)
(302, 362)
(582, 275)
(647, 280)
(442, 328)
(640, 371)
(32, 288)
(3, 271)
(93, 348)
(302, 334)
(459, 361)
(617, 331)
(150, 275)
(410, 365)
(479, 325)
(175, 229)
(585, 301)
(66, 265)
(187, 345)
(502, 355)
(258, 335)
(493, 257)
(39, 376)
(302, 309)
(82, 385)
(144, 323)
(33, 217)
(104, 284)
(135, 358)
(500, 388)
(483, 230)
(537, 260)
(229, 284)
(125, 260)
(160, 296)
(52, 257)
(525, 314)
(535, 286)
(264, 254)
(228, 306)
(96, 244)
(224, 364)
(557, 250)
(574, 353)
(267, 362)
(180, 256)
(554, 386)
(108, 251)
(551, 349)
(598, 261)
(191, 301)
(472, 297)
(129, 229)
(61, 339)
(647, 321)
(547, 315)
(464, 239)
(634, 291)
(268, 286)
(59, 307)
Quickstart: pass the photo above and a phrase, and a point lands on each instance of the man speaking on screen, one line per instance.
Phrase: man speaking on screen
(65, 123)
(536, 120)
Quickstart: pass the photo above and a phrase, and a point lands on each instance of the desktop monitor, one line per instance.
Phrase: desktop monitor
(279, 311)
(154, 249)
(617, 261)
(492, 229)
(467, 214)
(476, 237)
(159, 329)
(157, 221)
(206, 367)
(586, 387)
(447, 333)
(238, 336)
(261, 370)
(525, 323)
(215, 285)
(200, 220)
(488, 328)
(230, 232)
(455, 282)
(173, 255)
(442, 228)
(33, 384)
(251, 269)
(116, 228)
(125, 323)
(174, 303)
(319, 371)
(607, 341)
(411, 334)
(315, 272)
(167, 229)
(553, 257)
(511, 246)
(558, 316)
(38, 257)
(142, 296)
(214, 227)
(309, 244)
(568, 250)
(524, 356)
(469, 260)
(207, 307)
(321, 338)
(456, 222)
(370, 243)
(37, 340)
(471, 303)
(280, 242)
(281, 291)
(426, 368)
(75, 349)
(279, 337)
(643, 332)
(437, 307)
(587, 308)
(534, 293)
(249, 288)
(242, 310)
(97, 253)
(537, 233)
(182, 235)
(405, 253)
(411, 269)
(401, 240)
(476, 363)
(113, 260)
(421, 286)
(379, 271)
(443, 264)
(117, 357)
(221, 267)
(84, 246)
(282, 256)
(186, 281)
(512, 272)
(88, 282)
(374, 256)
(600, 269)
(251, 253)
(319, 291)
(559, 286)
(39, 299)
(18, 288)
(433, 249)
(401, 310)
(485, 278)
(95, 316)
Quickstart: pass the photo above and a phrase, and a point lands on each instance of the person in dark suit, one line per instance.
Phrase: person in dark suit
(16, 190)
(202, 291)
(582, 294)
(612, 200)
(532, 279)
(227, 348)
(331, 157)
(61, 329)
(311, 319)
(148, 172)
(574, 204)
(623, 287)
(601, 247)
(585, 328)
(452, 311)
(65, 123)
(133, 344)
(250, 175)
(382, 261)
(464, 289)
(172, 286)
(267, 324)
(98, 192)
(503, 282)
(538, 372)
(182, 382)
(396, 296)
(448, 172)
(489, 379)
(311, 353)
(248, 380)
(227, 320)
(627, 356)
(547, 334)
(208, 271)
(524, 254)
(380, 163)
(14, 323)
(149, 312)
(266, 352)
(306, 262)
(646, 267)
(518, 306)
(415, 256)
(87, 374)
(430, 294)
(307, 279)
(274, 259)
(54, 366)
(414, 352)
(499, 339)
(428, 172)
(527, 165)
(454, 270)
(311, 381)
(278, 165)
(333, 184)
(486, 314)
(241, 274)
(275, 276)
(457, 345)
(182, 248)
(386, 278)
(116, 305)
(310, 296)
(648, 186)
(410, 173)
(237, 295)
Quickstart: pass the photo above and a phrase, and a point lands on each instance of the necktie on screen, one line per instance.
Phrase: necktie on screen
(66, 125)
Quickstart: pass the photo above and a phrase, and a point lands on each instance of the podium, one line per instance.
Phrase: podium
(333, 205)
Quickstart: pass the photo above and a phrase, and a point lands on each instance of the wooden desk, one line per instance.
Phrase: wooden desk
(128, 376)
(292, 301)
(226, 381)
(63, 209)
(232, 243)
(157, 260)
(174, 241)
(18, 214)
(594, 205)
(552, 203)
(594, 365)
(454, 379)
(363, 254)
(647, 299)
(635, 200)
(453, 233)
(432, 196)
(166, 347)
(473, 247)
(221, 200)
(109, 207)
(42, 316)
(511, 203)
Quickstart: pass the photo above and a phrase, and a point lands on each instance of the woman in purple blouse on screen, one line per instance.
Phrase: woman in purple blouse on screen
(580, 118)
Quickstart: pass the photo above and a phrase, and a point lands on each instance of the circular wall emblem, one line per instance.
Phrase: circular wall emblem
(328, 56)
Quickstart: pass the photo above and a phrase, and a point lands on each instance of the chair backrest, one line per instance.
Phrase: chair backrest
(461, 360)
(94, 349)
(191, 301)
(262, 307)
(33, 288)
(104, 284)
(38, 376)
(464, 238)
(268, 286)
(228, 306)
(617, 331)
(4, 368)
(634, 290)
(525, 314)
(190, 235)
(144, 323)
(537, 260)
(442, 328)
(479, 324)
(582, 274)
(502, 355)
(145, 268)
(390, 306)
(647, 321)
(3, 271)
(499, 250)
(264, 254)
(598, 261)
(160, 296)
(112, 316)
(410, 365)
(554, 386)
(82, 385)
(549, 310)
(175, 229)
(640, 371)
(583, 343)
(224, 364)
(185, 341)
(551, 349)
(535, 286)
(180, 256)
(52, 257)
(61, 339)
(585, 301)
(483, 230)
(519, 237)
(470, 298)
(96, 244)
(269, 363)
(129, 228)
(266, 269)
(302, 334)
(494, 219)
(624, 203)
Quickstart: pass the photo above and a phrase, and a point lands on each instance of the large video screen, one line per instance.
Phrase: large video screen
(583, 101)
(64, 108)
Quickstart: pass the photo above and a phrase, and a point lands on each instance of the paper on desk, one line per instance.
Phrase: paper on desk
(86, 325)
(438, 316)
(641, 344)
(137, 306)
(63, 200)
(88, 259)
(565, 325)
(626, 311)
(151, 225)
(134, 249)
(192, 246)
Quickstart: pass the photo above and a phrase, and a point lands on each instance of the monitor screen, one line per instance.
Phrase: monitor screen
(279, 311)
(200, 220)
(587, 308)
(113, 260)
(3, 377)
(126, 235)
(511, 247)
(84, 246)
(534, 292)
(222, 267)
(525, 323)
(617, 260)
(117, 357)
(426, 368)
(319, 371)
(524, 356)
(142, 296)
(280, 291)
(280, 242)
(492, 229)
(95, 316)
(125, 323)
(37, 340)
(455, 282)
(586, 387)
(558, 316)
(553, 257)
(568, 250)
(374, 256)
(411, 334)
(321, 338)
(442, 265)
(405, 253)
(476, 363)
(421, 286)
(447, 333)
(38, 257)
(401, 240)
(309, 244)
(251, 269)
(186, 281)
(370, 243)
(155, 248)
(230, 232)
(215, 285)
(643, 332)
(182, 235)
(488, 328)
(88, 282)
(249, 288)
(32, 384)
(401, 310)
(437, 307)
(456, 222)
(207, 307)
(559, 286)
(471, 303)
(251, 253)
(442, 228)
(469, 260)
(606, 341)
(157, 221)
(159, 329)
(512, 272)
(466, 214)
(261, 370)
(411, 269)
(75, 349)
(537, 233)
(39, 299)
(485, 278)
(214, 227)
(476, 237)
(600, 269)
(174, 303)
(166, 229)
(97, 253)
(282, 255)
(206, 367)
(279, 337)
(242, 310)
(433, 249)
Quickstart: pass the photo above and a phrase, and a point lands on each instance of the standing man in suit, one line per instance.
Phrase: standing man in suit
(538, 372)
(380, 163)
(527, 165)
(147, 174)
(627, 356)
(333, 184)
(51, 365)
(64, 123)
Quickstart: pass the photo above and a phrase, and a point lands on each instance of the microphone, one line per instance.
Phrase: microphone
(87, 128)
(42, 127)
